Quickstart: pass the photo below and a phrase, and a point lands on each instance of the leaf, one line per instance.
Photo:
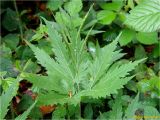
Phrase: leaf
(49, 63)
(7, 65)
(9, 21)
(88, 112)
(145, 17)
(59, 49)
(74, 73)
(6, 98)
(46, 82)
(7, 82)
(11, 40)
(126, 37)
(151, 113)
(60, 112)
(156, 51)
(116, 112)
(54, 4)
(112, 81)
(132, 107)
(54, 98)
(73, 7)
(106, 17)
(26, 113)
(140, 53)
(147, 38)
(115, 5)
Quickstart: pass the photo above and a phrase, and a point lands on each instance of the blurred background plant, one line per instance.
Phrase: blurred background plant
(21, 20)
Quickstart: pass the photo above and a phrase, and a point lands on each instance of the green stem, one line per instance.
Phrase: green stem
(12, 111)
(19, 19)
(79, 110)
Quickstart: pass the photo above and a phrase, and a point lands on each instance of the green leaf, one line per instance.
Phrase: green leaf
(73, 7)
(26, 113)
(60, 49)
(25, 102)
(144, 86)
(151, 113)
(46, 82)
(73, 73)
(140, 53)
(115, 5)
(103, 60)
(50, 64)
(114, 79)
(53, 98)
(7, 82)
(131, 4)
(132, 107)
(106, 17)
(147, 38)
(145, 17)
(54, 4)
(59, 113)
(88, 112)
(156, 51)
(126, 37)
(9, 21)
(11, 40)
(116, 112)
(6, 98)
(7, 65)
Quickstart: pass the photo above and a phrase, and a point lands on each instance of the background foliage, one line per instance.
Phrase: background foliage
(139, 24)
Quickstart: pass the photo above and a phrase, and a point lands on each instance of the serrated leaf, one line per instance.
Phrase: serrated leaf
(54, 4)
(53, 98)
(113, 80)
(151, 113)
(88, 112)
(6, 98)
(46, 82)
(26, 113)
(145, 17)
(74, 71)
(59, 49)
(116, 112)
(59, 113)
(132, 107)
(73, 7)
(50, 64)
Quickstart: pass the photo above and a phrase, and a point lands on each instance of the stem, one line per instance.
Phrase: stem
(79, 110)
(19, 19)
(12, 111)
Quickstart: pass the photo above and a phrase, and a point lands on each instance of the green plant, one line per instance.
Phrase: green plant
(6, 98)
(145, 17)
(80, 74)
(136, 109)
(74, 73)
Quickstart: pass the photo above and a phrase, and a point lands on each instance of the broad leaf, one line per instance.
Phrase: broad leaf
(106, 17)
(145, 17)
(147, 38)
(126, 37)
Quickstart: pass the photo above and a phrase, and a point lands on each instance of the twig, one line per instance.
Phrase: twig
(19, 19)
